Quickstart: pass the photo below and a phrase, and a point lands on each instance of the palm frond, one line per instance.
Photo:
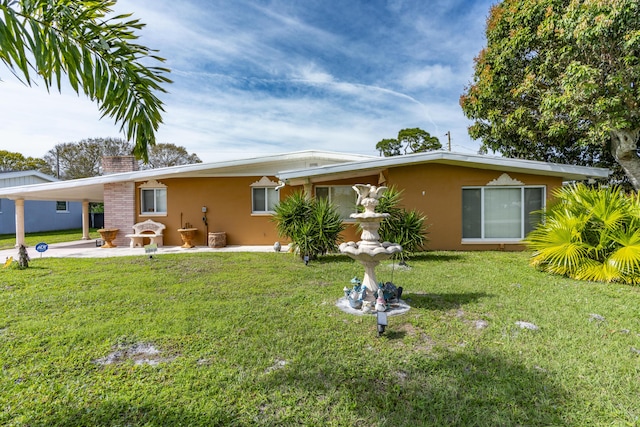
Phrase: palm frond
(563, 259)
(96, 53)
(627, 257)
(595, 271)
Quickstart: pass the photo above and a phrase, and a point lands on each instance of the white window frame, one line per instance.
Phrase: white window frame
(353, 207)
(524, 216)
(66, 206)
(156, 187)
(270, 191)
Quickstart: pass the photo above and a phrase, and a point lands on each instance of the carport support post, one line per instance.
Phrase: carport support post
(85, 220)
(19, 222)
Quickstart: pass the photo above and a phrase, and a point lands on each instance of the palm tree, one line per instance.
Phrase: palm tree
(312, 225)
(590, 234)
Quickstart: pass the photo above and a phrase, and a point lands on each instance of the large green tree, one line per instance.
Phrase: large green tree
(83, 159)
(96, 51)
(559, 79)
(12, 162)
(164, 154)
(410, 140)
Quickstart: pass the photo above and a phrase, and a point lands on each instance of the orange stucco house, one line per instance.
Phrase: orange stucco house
(472, 202)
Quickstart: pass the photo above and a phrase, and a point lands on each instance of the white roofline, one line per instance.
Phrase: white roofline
(308, 154)
(91, 188)
(469, 160)
(175, 171)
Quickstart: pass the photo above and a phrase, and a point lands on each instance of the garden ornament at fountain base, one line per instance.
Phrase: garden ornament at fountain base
(369, 252)
(388, 300)
(393, 309)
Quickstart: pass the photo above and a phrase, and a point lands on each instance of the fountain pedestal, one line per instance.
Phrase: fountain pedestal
(369, 251)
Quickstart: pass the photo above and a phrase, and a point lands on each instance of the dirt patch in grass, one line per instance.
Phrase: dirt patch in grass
(423, 341)
(138, 353)
(279, 364)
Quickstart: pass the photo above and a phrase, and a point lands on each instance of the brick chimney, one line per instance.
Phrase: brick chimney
(117, 164)
(119, 197)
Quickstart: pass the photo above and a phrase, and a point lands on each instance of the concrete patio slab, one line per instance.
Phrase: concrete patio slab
(88, 249)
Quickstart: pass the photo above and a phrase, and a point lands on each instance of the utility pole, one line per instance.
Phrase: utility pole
(58, 162)
(448, 134)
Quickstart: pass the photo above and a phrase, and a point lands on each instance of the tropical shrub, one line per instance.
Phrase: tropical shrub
(590, 234)
(312, 225)
(407, 228)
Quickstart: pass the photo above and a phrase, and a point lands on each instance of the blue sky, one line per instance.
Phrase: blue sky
(254, 77)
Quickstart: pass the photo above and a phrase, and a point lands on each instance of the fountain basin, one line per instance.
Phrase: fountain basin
(399, 307)
(367, 252)
(370, 216)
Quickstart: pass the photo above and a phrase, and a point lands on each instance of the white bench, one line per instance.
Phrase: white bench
(146, 229)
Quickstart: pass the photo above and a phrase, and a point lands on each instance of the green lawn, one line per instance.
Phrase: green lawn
(255, 339)
(8, 241)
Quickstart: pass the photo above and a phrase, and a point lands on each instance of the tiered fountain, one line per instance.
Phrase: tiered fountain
(369, 252)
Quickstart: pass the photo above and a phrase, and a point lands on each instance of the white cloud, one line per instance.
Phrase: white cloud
(34, 121)
(311, 74)
(431, 76)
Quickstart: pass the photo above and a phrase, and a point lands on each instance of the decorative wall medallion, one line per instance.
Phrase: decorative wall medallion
(505, 179)
(152, 183)
(264, 182)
